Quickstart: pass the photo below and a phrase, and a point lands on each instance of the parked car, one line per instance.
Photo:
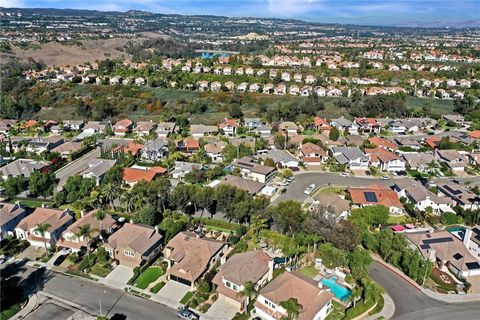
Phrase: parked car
(59, 260)
(343, 174)
(290, 179)
(310, 189)
(385, 178)
(187, 314)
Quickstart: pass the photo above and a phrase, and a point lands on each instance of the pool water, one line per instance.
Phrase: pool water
(339, 291)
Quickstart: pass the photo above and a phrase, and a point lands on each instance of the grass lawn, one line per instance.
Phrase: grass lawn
(332, 189)
(397, 219)
(148, 276)
(157, 287)
(10, 312)
(31, 203)
(214, 228)
(100, 270)
(186, 297)
(359, 308)
(378, 308)
(310, 271)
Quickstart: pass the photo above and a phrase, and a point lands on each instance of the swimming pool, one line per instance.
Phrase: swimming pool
(339, 291)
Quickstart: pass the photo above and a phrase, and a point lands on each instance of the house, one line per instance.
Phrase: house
(376, 194)
(6, 125)
(67, 148)
(286, 76)
(57, 220)
(230, 85)
(421, 197)
(122, 127)
(385, 160)
(281, 158)
(338, 205)
(132, 176)
(471, 240)
(254, 87)
(72, 240)
(242, 87)
(154, 150)
(73, 125)
(280, 89)
(164, 129)
(254, 171)
(200, 130)
(182, 168)
(383, 143)
(216, 86)
(312, 154)
(408, 142)
(22, 167)
(422, 162)
(305, 91)
(190, 256)
(462, 196)
(10, 215)
(253, 187)
(253, 123)
(344, 125)
(144, 128)
(454, 119)
(446, 251)
(264, 131)
(396, 126)
(316, 301)
(309, 79)
(134, 244)
(322, 125)
(91, 128)
(255, 267)
(367, 125)
(97, 168)
(229, 126)
(454, 160)
(289, 128)
(214, 150)
(351, 156)
(39, 144)
(202, 85)
(188, 145)
(294, 90)
(131, 148)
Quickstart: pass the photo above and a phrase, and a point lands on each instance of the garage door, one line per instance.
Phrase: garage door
(181, 280)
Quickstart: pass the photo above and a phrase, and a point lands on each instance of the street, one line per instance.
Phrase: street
(75, 167)
(410, 303)
(88, 294)
(295, 191)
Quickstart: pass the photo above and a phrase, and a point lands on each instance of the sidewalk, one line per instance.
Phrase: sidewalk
(387, 311)
(29, 307)
(449, 298)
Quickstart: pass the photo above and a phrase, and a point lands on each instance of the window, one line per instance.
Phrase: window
(269, 304)
(128, 253)
(235, 287)
(228, 284)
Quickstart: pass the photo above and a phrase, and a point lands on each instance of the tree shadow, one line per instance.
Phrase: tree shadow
(118, 316)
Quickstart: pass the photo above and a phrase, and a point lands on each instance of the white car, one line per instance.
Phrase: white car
(310, 189)
(343, 174)
(385, 178)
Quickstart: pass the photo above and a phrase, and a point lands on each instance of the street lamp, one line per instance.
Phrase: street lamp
(100, 302)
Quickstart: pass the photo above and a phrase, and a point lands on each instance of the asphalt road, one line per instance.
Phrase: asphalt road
(115, 303)
(75, 167)
(295, 191)
(412, 304)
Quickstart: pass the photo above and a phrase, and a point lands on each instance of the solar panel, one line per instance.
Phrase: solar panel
(452, 191)
(370, 196)
(472, 265)
(457, 256)
(425, 246)
(437, 240)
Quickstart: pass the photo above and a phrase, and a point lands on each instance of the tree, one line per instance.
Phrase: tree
(109, 193)
(359, 261)
(288, 216)
(100, 215)
(129, 201)
(41, 184)
(42, 229)
(292, 307)
(15, 185)
(235, 111)
(147, 215)
(334, 134)
(248, 291)
(86, 232)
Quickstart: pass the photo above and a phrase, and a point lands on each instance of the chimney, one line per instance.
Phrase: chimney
(271, 265)
(17, 203)
(131, 221)
(82, 213)
(156, 229)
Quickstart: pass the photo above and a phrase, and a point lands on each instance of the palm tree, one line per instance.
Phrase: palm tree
(292, 307)
(85, 231)
(248, 291)
(129, 201)
(110, 192)
(42, 228)
(257, 225)
(100, 215)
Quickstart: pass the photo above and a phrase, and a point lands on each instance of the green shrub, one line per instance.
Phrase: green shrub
(157, 287)
(186, 298)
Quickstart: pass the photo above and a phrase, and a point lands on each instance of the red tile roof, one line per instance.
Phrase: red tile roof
(321, 123)
(130, 147)
(384, 196)
(380, 154)
(229, 122)
(383, 143)
(433, 142)
(191, 143)
(132, 175)
(475, 134)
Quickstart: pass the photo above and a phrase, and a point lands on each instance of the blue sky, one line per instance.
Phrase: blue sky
(343, 11)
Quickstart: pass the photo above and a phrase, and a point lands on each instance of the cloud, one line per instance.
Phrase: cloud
(12, 3)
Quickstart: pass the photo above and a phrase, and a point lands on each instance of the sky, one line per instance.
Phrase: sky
(386, 12)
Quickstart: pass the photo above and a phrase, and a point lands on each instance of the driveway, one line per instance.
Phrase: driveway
(50, 311)
(174, 292)
(222, 310)
(295, 191)
(119, 276)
